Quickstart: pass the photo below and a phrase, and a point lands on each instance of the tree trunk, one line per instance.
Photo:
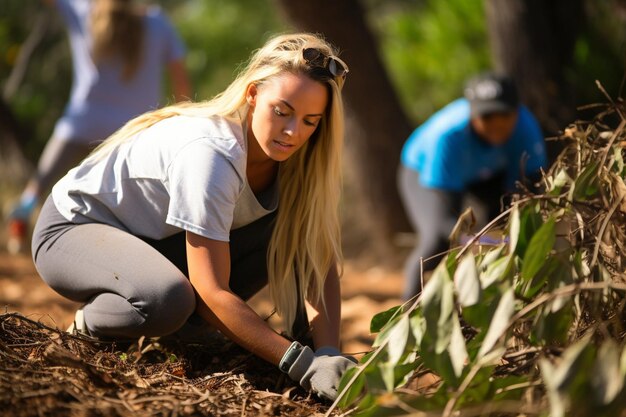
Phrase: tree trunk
(377, 125)
(533, 41)
(14, 167)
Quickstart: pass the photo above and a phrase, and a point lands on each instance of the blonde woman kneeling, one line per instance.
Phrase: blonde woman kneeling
(252, 178)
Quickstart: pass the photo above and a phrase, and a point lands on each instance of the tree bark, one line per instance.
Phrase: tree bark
(14, 167)
(377, 125)
(533, 41)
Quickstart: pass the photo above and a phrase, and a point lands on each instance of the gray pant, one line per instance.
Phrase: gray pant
(132, 286)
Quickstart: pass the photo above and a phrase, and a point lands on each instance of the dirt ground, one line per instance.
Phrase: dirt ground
(364, 293)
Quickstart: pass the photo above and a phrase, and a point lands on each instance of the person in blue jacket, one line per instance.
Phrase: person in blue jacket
(474, 149)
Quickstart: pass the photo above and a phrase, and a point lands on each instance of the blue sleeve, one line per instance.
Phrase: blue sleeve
(439, 169)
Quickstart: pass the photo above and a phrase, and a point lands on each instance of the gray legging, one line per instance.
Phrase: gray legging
(133, 286)
(433, 214)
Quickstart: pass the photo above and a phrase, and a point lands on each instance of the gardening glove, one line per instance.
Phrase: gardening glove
(317, 372)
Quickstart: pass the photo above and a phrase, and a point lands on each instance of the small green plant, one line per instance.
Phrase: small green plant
(533, 325)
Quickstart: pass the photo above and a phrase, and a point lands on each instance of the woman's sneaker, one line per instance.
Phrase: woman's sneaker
(78, 326)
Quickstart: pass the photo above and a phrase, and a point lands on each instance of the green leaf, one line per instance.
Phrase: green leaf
(557, 401)
(504, 388)
(479, 315)
(552, 267)
(418, 326)
(440, 364)
(473, 345)
(530, 222)
(440, 315)
(388, 375)
(568, 380)
(384, 333)
(499, 323)
(355, 388)
(496, 271)
(479, 389)
(560, 180)
(467, 282)
(514, 228)
(435, 403)
(399, 340)
(457, 350)
(367, 356)
(553, 328)
(580, 265)
(494, 357)
(490, 257)
(367, 405)
(450, 261)
(585, 184)
(402, 373)
(606, 378)
(619, 160)
(538, 249)
(374, 381)
(380, 319)
(572, 363)
(438, 305)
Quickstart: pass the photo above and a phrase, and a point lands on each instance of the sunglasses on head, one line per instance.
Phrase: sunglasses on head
(333, 64)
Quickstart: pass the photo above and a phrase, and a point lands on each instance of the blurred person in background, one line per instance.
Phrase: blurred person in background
(120, 51)
(471, 152)
(187, 211)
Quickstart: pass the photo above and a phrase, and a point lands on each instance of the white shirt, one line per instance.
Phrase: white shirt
(181, 173)
(101, 101)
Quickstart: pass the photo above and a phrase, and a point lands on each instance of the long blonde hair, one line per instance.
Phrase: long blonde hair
(117, 32)
(306, 240)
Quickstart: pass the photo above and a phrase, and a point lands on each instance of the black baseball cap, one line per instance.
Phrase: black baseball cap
(491, 93)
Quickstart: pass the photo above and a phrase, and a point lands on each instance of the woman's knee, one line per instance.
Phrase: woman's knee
(167, 310)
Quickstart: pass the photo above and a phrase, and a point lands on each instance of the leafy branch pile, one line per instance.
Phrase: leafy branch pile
(533, 325)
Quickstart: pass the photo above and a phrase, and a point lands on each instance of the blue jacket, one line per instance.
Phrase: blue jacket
(449, 155)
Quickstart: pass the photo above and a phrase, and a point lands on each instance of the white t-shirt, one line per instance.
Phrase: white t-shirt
(181, 173)
(101, 101)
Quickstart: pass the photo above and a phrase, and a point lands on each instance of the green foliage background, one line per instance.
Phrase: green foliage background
(429, 48)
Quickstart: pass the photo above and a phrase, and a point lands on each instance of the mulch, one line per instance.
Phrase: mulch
(48, 372)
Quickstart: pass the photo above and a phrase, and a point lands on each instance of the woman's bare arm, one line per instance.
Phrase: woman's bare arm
(326, 322)
(209, 272)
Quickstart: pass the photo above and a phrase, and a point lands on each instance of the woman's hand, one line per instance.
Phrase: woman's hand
(319, 372)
